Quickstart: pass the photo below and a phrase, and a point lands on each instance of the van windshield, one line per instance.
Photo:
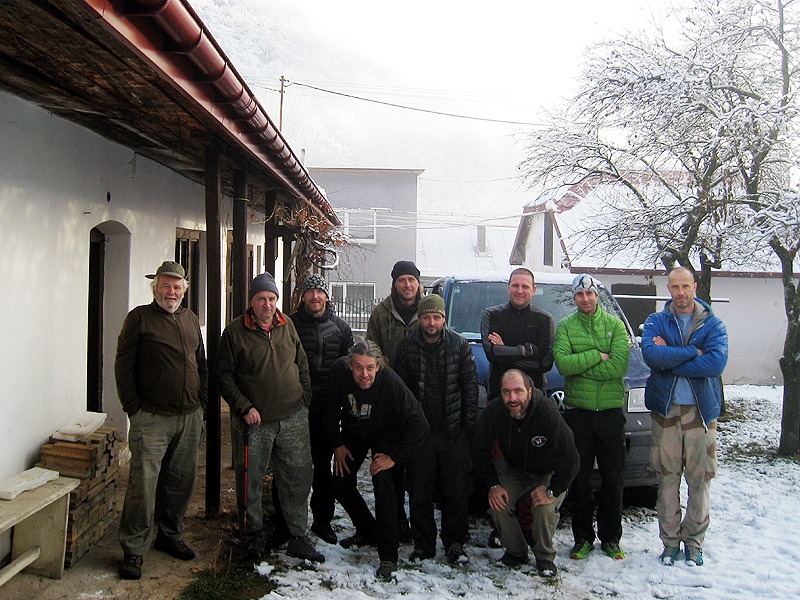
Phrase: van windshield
(468, 300)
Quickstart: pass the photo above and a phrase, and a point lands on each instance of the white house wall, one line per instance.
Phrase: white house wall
(54, 182)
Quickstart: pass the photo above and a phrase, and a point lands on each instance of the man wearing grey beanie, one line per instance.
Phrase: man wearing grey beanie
(262, 371)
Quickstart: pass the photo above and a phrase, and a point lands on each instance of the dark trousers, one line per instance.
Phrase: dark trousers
(384, 524)
(322, 498)
(439, 464)
(600, 436)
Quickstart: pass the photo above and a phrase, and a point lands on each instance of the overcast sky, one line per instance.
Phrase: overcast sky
(500, 61)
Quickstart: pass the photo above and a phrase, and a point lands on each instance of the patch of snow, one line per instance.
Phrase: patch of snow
(751, 548)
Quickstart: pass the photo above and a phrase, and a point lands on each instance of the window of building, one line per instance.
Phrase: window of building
(360, 224)
(187, 254)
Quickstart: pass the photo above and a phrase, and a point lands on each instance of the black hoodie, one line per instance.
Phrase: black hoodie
(539, 443)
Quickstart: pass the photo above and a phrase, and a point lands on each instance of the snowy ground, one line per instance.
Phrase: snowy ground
(752, 548)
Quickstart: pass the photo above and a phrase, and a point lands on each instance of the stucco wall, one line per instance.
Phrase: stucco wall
(392, 189)
(55, 181)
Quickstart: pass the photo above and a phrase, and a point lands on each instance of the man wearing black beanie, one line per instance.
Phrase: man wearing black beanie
(396, 316)
(391, 321)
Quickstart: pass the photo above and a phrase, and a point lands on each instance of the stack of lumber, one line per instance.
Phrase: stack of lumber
(94, 459)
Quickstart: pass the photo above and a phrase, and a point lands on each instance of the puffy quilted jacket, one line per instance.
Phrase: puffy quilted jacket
(679, 359)
(461, 385)
(590, 382)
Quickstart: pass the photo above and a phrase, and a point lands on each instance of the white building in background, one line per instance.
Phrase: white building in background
(755, 317)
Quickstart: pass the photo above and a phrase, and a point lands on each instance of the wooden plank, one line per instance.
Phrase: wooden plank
(19, 563)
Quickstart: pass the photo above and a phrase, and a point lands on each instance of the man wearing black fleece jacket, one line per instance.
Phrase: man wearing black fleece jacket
(540, 459)
(370, 410)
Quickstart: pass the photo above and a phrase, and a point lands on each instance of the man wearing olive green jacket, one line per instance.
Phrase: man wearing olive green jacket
(591, 352)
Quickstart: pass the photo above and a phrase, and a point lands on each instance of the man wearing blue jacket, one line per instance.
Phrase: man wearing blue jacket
(686, 348)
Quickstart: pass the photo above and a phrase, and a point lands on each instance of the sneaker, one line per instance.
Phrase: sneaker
(358, 540)
(456, 555)
(175, 548)
(694, 556)
(386, 570)
(613, 550)
(493, 541)
(404, 532)
(546, 568)
(513, 560)
(325, 532)
(131, 567)
(421, 554)
(581, 549)
(669, 555)
(301, 547)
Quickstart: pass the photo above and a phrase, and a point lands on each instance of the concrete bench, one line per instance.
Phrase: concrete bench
(39, 519)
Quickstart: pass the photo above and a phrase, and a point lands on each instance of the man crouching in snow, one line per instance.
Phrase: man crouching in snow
(371, 410)
(540, 460)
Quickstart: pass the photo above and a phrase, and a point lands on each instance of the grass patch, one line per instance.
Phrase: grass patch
(227, 579)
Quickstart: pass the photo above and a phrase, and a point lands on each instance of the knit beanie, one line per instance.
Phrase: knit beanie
(431, 304)
(585, 282)
(314, 282)
(263, 283)
(404, 267)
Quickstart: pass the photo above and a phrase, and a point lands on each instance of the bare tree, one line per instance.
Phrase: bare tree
(700, 130)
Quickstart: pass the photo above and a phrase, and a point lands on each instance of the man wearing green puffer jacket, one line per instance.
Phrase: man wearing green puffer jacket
(591, 352)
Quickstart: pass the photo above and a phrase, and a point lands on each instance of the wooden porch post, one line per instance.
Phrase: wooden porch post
(213, 190)
(239, 262)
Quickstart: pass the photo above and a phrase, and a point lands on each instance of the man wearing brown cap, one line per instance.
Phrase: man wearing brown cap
(162, 380)
(438, 367)
(263, 375)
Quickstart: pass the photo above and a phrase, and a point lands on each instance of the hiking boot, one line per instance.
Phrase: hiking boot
(613, 550)
(694, 556)
(255, 545)
(456, 555)
(325, 532)
(175, 548)
(358, 540)
(546, 568)
(421, 554)
(581, 549)
(404, 532)
(513, 560)
(386, 570)
(493, 541)
(669, 555)
(131, 567)
(301, 547)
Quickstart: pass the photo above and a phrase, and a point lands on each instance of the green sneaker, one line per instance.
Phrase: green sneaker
(613, 550)
(581, 549)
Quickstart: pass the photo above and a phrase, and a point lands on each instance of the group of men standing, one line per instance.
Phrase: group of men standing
(304, 395)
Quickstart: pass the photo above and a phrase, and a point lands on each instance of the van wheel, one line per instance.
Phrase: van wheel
(642, 495)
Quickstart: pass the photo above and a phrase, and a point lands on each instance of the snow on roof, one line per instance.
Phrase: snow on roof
(455, 249)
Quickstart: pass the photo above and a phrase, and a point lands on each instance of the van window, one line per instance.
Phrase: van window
(468, 300)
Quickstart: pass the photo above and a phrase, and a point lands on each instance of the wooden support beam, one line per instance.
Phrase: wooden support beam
(239, 243)
(287, 275)
(213, 326)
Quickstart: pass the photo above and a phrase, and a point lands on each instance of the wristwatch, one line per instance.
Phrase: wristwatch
(550, 493)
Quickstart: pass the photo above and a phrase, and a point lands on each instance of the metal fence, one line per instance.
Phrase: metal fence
(356, 312)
